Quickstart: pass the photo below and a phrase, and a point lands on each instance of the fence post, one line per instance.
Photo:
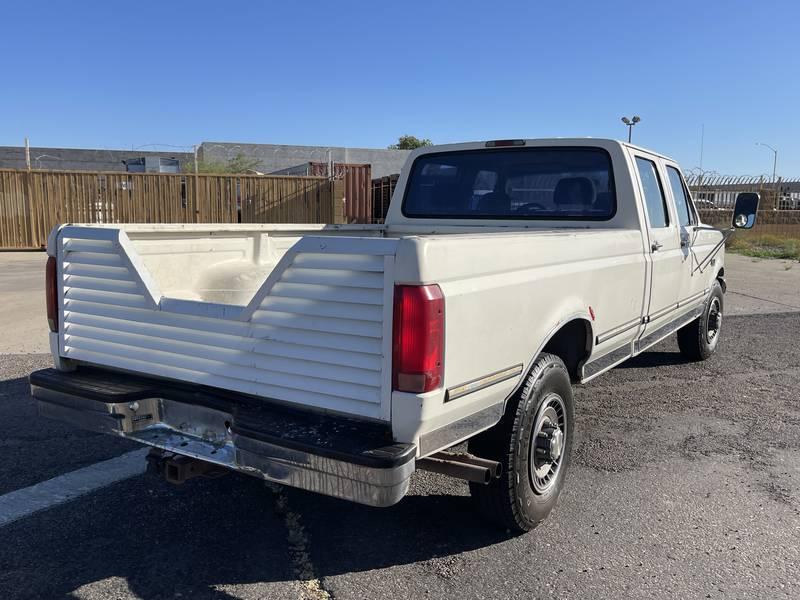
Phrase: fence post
(27, 202)
(32, 230)
(196, 197)
(338, 199)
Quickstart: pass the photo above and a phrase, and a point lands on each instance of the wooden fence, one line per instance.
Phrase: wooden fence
(33, 202)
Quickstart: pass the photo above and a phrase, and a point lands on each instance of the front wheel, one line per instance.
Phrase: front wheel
(699, 339)
(533, 442)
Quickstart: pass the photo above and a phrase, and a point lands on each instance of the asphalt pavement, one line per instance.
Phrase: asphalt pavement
(685, 483)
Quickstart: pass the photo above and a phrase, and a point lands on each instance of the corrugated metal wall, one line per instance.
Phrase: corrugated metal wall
(357, 187)
(382, 190)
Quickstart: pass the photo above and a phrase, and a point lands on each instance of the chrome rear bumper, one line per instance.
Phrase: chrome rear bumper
(331, 455)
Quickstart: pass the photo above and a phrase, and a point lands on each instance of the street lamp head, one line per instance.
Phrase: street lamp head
(626, 120)
(766, 146)
(636, 119)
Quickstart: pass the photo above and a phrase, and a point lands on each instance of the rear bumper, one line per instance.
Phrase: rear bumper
(337, 456)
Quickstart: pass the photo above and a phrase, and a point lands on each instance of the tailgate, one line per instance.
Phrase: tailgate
(316, 333)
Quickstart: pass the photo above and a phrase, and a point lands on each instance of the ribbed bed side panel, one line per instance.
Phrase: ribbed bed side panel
(319, 337)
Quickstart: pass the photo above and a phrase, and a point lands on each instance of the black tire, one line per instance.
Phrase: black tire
(513, 501)
(699, 339)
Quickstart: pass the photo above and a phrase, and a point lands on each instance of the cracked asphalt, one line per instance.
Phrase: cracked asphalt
(685, 483)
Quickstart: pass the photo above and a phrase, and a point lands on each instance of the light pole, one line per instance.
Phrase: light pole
(630, 123)
(774, 159)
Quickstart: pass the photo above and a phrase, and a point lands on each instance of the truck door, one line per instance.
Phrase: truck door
(693, 283)
(666, 258)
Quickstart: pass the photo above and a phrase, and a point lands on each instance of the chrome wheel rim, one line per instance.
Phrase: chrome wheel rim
(714, 320)
(548, 438)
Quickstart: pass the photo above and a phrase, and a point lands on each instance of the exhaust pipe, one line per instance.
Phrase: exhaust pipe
(461, 466)
(495, 467)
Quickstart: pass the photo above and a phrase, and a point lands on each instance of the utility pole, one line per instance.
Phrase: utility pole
(702, 139)
(774, 172)
(774, 167)
(774, 159)
(196, 186)
(32, 220)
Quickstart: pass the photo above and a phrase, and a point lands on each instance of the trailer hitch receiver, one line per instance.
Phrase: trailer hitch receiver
(177, 469)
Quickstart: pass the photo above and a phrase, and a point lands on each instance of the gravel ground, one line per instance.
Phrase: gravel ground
(685, 482)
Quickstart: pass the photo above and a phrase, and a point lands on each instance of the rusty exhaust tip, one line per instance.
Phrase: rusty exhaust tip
(462, 466)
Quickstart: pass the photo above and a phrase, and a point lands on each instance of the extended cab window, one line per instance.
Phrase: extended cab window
(653, 193)
(682, 202)
(513, 183)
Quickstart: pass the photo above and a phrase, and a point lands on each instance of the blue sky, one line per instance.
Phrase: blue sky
(121, 75)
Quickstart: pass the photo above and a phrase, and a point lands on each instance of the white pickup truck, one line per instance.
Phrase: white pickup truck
(339, 359)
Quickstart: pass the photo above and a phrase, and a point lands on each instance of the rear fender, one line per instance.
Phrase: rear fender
(582, 317)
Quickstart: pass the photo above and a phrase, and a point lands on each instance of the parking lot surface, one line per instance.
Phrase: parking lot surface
(685, 483)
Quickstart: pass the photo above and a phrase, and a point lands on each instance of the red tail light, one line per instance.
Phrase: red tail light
(418, 341)
(51, 293)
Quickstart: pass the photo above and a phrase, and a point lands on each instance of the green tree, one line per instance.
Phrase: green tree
(241, 164)
(410, 142)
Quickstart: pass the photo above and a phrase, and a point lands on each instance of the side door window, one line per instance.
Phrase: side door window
(657, 213)
(683, 204)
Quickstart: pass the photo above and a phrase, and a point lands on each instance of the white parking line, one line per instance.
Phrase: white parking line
(47, 494)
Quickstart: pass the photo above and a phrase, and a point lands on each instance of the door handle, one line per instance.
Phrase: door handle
(684, 242)
(656, 246)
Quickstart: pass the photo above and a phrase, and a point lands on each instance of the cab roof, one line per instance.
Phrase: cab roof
(531, 142)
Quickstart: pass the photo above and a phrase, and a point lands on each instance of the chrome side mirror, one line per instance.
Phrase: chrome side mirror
(746, 210)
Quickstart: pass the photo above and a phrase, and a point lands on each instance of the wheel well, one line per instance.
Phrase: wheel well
(721, 278)
(572, 344)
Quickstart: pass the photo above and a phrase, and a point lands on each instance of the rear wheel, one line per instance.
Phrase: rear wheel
(698, 340)
(533, 442)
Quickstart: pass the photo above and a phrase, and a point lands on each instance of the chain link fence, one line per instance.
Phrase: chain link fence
(779, 211)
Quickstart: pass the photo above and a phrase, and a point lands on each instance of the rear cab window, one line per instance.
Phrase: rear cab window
(683, 203)
(656, 202)
(563, 183)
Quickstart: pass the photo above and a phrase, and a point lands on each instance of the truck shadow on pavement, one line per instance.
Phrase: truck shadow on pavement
(195, 540)
(436, 520)
(198, 539)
